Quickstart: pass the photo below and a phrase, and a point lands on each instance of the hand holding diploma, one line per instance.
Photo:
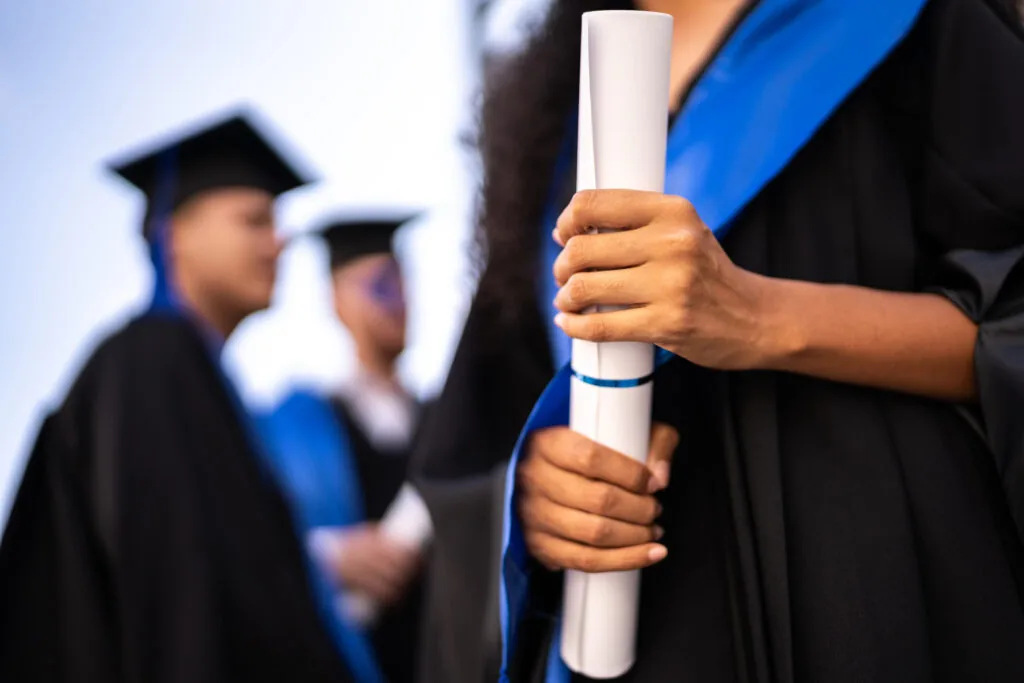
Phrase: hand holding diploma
(681, 290)
(584, 506)
(363, 558)
(376, 562)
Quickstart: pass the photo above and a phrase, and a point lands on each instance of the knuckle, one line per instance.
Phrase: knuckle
(577, 212)
(686, 241)
(603, 502)
(587, 562)
(539, 445)
(682, 207)
(525, 471)
(534, 543)
(583, 204)
(561, 269)
(529, 481)
(573, 255)
(577, 289)
(597, 328)
(584, 454)
(600, 531)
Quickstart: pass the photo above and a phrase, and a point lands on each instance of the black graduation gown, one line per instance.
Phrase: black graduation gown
(146, 543)
(820, 531)
(381, 475)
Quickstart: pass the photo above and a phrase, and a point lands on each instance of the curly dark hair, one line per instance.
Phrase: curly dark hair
(525, 116)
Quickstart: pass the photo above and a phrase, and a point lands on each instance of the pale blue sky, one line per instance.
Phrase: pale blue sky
(373, 93)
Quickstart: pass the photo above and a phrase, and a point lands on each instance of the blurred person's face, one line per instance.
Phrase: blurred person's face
(225, 250)
(370, 301)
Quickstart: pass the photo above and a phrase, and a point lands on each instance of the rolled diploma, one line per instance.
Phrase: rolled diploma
(623, 122)
(406, 521)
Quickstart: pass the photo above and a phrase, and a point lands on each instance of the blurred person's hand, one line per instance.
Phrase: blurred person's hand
(585, 506)
(361, 558)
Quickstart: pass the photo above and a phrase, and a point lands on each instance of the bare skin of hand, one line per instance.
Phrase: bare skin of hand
(365, 560)
(584, 506)
(680, 285)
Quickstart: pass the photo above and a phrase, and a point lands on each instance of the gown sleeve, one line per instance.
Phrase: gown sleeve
(973, 208)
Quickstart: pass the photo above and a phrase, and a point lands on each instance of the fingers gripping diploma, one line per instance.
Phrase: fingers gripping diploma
(664, 279)
(584, 506)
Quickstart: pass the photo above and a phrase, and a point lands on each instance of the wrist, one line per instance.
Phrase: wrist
(782, 334)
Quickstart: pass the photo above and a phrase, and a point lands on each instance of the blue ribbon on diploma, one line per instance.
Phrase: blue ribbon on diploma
(613, 383)
(783, 71)
(660, 358)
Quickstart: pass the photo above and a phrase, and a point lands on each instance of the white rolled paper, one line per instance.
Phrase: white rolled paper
(406, 521)
(623, 121)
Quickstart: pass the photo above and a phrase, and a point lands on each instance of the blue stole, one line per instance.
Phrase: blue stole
(310, 452)
(353, 645)
(783, 71)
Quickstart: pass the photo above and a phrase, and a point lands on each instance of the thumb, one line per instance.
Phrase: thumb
(664, 439)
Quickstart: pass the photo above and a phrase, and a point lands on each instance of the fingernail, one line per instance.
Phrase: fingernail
(661, 471)
(556, 238)
(658, 532)
(657, 553)
(560, 319)
(658, 509)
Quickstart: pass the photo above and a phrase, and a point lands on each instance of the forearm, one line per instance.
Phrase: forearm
(915, 343)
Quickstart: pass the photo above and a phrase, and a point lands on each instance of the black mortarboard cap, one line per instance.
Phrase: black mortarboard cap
(350, 238)
(230, 151)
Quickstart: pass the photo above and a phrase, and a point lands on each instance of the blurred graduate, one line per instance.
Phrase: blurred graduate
(342, 458)
(148, 541)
